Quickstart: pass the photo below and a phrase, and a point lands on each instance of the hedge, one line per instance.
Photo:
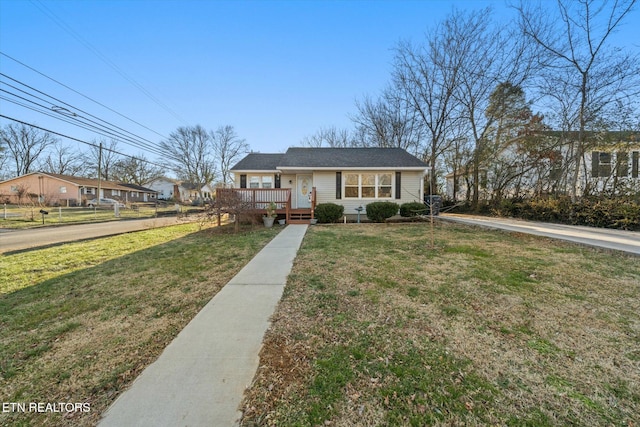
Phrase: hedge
(380, 211)
(328, 212)
(622, 213)
(413, 208)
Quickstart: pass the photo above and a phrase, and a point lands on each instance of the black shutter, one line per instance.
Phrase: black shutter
(277, 184)
(398, 185)
(595, 164)
(243, 181)
(635, 160)
(338, 185)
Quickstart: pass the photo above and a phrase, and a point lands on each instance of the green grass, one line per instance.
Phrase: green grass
(488, 328)
(79, 322)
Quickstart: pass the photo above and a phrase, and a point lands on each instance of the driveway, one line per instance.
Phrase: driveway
(14, 240)
(619, 240)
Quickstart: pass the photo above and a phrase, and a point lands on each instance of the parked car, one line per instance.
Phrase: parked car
(105, 202)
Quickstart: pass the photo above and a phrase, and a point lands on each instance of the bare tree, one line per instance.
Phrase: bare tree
(388, 121)
(4, 158)
(135, 170)
(25, 145)
(191, 154)
(64, 160)
(579, 62)
(490, 55)
(331, 137)
(228, 149)
(107, 157)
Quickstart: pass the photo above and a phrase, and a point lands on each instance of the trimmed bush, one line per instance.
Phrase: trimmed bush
(380, 211)
(413, 208)
(328, 212)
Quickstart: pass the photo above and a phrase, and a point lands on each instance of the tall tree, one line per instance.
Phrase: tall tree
(25, 144)
(228, 148)
(426, 77)
(135, 170)
(191, 154)
(491, 55)
(63, 160)
(389, 121)
(579, 61)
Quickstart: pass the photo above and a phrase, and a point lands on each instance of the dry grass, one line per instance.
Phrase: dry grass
(83, 332)
(489, 328)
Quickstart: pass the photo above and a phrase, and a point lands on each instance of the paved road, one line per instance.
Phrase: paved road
(626, 241)
(13, 240)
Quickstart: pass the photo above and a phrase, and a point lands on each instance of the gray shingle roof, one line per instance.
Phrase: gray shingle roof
(349, 158)
(259, 161)
(303, 157)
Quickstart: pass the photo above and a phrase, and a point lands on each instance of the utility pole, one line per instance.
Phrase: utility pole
(99, 173)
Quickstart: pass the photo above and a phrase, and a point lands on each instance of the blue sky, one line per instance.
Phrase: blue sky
(275, 70)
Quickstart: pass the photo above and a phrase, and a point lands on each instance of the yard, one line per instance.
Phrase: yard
(375, 326)
(489, 328)
(79, 322)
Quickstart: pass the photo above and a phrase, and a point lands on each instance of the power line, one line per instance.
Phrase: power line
(58, 21)
(79, 140)
(142, 141)
(81, 94)
(111, 129)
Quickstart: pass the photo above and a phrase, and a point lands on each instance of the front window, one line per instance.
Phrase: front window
(368, 185)
(261, 181)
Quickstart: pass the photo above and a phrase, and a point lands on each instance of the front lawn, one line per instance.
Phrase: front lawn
(79, 321)
(489, 328)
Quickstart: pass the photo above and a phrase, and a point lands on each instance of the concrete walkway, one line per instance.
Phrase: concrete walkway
(200, 378)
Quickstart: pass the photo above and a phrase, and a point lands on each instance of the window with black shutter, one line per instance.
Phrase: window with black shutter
(243, 181)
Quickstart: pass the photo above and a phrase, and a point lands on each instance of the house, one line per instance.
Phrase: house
(610, 165)
(56, 189)
(171, 189)
(166, 188)
(351, 177)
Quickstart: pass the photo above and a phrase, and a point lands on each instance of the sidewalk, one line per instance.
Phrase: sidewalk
(200, 378)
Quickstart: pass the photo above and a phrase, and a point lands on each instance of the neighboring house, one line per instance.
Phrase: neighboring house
(614, 169)
(166, 188)
(611, 167)
(352, 177)
(55, 189)
(185, 192)
(190, 192)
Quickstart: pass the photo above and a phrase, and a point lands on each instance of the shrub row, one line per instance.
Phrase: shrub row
(376, 211)
(621, 213)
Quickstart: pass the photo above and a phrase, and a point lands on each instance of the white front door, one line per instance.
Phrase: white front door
(304, 191)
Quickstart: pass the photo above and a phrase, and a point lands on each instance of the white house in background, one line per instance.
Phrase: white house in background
(185, 192)
(166, 187)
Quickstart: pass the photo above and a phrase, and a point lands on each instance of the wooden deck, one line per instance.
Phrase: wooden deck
(259, 199)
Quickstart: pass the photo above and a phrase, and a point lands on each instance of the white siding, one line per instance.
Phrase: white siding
(325, 183)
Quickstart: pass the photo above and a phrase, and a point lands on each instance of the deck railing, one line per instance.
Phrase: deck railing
(260, 198)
